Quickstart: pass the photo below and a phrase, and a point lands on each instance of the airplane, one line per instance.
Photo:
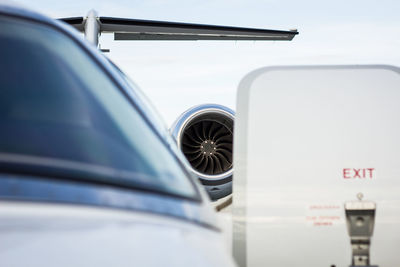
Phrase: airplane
(317, 185)
(204, 133)
(88, 177)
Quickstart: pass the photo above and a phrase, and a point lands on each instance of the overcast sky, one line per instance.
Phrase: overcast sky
(177, 75)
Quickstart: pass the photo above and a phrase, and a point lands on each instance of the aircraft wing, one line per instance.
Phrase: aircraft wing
(136, 29)
(76, 22)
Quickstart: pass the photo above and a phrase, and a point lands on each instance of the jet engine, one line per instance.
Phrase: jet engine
(205, 135)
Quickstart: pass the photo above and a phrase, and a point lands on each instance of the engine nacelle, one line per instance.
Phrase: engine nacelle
(205, 135)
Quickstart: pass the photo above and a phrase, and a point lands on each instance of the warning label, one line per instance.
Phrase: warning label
(324, 214)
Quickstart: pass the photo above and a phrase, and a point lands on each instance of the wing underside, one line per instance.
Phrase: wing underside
(135, 29)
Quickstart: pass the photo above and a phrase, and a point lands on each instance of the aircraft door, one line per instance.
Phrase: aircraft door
(317, 167)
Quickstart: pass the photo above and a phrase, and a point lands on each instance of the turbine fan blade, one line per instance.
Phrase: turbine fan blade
(207, 143)
(197, 131)
(186, 135)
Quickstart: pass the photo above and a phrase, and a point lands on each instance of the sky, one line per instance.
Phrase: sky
(178, 75)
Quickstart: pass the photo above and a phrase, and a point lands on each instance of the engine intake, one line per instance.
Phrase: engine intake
(205, 136)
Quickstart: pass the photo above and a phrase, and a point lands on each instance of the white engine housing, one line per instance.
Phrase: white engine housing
(205, 135)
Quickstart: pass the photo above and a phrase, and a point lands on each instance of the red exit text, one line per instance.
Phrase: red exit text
(351, 173)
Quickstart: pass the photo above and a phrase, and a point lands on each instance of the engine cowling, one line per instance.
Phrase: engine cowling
(205, 136)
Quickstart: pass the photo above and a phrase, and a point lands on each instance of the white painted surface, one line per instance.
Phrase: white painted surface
(67, 235)
(225, 221)
(297, 129)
